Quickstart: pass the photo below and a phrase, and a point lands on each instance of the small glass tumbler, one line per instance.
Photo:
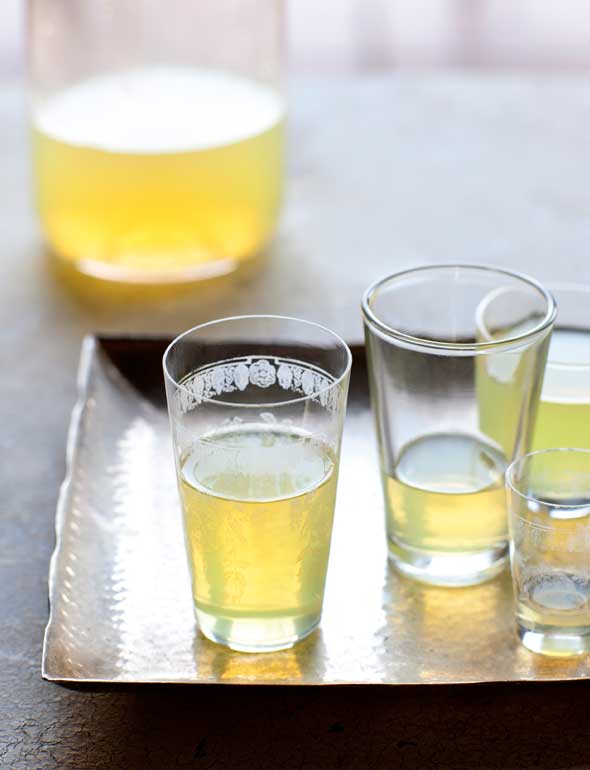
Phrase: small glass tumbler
(456, 356)
(549, 503)
(563, 419)
(256, 406)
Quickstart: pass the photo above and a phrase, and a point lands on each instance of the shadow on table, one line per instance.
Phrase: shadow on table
(523, 726)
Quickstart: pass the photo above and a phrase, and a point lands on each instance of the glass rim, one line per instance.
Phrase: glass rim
(511, 469)
(373, 320)
(268, 316)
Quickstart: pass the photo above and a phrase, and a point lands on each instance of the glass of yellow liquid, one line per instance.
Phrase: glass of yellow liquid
(256, 406)
(452, 407)
(157, 134)
(563, 419)
(549, 501)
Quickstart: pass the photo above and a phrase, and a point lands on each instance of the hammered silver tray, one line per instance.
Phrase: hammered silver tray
(119, 588)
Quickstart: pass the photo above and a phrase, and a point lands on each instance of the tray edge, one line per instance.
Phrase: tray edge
(87, 355)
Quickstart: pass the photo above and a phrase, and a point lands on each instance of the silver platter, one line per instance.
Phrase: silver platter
(121, 608)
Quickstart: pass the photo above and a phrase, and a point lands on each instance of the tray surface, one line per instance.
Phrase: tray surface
(121, 608)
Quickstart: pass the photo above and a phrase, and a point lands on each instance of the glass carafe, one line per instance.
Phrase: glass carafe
(157, 134)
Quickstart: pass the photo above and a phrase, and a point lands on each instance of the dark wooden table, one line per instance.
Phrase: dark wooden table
(384, 172)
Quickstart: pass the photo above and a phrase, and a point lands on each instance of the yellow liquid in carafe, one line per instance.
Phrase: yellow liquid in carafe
(159, 175)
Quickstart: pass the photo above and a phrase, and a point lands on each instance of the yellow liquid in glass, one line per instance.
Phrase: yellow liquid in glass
(258, 508)
(446, 496)
(561, 601)
(563, 418)
(159, 175)
(505, 384)
(556, 606)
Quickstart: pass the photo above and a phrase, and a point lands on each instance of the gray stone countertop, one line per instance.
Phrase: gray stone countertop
(384, 172)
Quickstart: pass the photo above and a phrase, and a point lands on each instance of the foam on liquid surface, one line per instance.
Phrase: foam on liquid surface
(160, 110)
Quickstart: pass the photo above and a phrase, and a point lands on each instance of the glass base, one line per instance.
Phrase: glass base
(256, 634)
(129, 274)
(555, 642)
(462, 568)
(102, 284)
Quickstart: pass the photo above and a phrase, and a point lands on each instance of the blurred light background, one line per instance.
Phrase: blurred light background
(375, 34)
(345, 35)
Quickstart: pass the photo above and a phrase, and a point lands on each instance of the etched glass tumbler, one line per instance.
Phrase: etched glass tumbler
(256, 407)
(456, 356)
(549, 503)
(157, 134)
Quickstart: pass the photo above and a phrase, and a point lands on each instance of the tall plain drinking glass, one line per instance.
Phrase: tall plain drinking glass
(549, 502)
(256, 406)
(157, 134)
(563, 419)
(455, 374)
